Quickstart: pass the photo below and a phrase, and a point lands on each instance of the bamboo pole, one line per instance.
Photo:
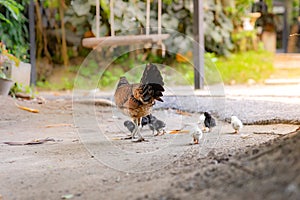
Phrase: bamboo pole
(148, 18)
(97, 18)
(112, 15)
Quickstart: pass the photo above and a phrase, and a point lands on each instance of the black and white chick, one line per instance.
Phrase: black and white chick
(156, 125)
(209, 121)
(146, 120)
(236, 124)
(195, 132)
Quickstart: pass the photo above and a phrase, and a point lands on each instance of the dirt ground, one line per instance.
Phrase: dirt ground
(86, 159)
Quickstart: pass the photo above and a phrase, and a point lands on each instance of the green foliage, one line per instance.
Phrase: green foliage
(130, 18)
(64, 84)
(240, 67)
(295, 11)
(45, 85)
(244, 40)
(2, 74)
(237, 68)
(14, 9)
(237, 12)
(19, 88)
(218, 28)
(13, 30)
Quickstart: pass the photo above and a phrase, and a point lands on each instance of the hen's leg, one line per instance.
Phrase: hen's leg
(133, 133)
(138, 131)
(135, 128)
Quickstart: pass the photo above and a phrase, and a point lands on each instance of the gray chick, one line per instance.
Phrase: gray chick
(129, 125)
(156, 125)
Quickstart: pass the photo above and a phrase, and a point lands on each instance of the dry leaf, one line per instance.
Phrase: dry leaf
(116, 138)
(178, 131)
(27, 109)
(180, 112)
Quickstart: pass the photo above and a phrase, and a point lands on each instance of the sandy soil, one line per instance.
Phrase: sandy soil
(87, 160)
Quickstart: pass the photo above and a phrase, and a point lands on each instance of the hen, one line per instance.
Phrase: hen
(136, 100)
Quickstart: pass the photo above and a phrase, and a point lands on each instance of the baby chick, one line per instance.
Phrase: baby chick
(209, 121)
(201, 121)
(156, 125)
(146, 120)
(195, 132)
(129, 125)
(236, 124)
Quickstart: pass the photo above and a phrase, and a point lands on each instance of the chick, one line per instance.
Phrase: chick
(156, 125)
(209, 121)
(201, 121)
(236, 124)
(146, 120)
(129, 125)
(195, 132)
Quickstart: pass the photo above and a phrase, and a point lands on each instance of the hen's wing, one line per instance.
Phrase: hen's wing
(123, 92)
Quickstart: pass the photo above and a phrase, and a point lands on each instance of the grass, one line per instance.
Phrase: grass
(238, 68)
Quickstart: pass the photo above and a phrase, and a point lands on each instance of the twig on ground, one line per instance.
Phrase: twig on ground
(59, 125)
(33, 142)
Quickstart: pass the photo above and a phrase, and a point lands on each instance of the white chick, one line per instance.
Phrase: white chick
(201, 120)
(236, 124)
(195, 132)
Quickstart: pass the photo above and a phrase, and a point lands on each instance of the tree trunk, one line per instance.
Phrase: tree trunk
(63, 34)
(42, 42)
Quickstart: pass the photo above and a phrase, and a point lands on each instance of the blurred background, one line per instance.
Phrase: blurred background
(248, 41)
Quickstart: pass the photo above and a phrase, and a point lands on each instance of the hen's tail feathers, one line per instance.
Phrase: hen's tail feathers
(152, 83)
(152, 75)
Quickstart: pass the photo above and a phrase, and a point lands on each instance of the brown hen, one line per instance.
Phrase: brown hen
(136, 100)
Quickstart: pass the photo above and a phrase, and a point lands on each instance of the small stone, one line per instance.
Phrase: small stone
(255, 151)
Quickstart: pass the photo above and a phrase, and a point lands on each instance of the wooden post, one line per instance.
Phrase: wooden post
(159, 17)
(198, 52)
(148, 18)
(32, 42)
(97, 18)
(64, 49)
(112, 16)
(285, 32)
